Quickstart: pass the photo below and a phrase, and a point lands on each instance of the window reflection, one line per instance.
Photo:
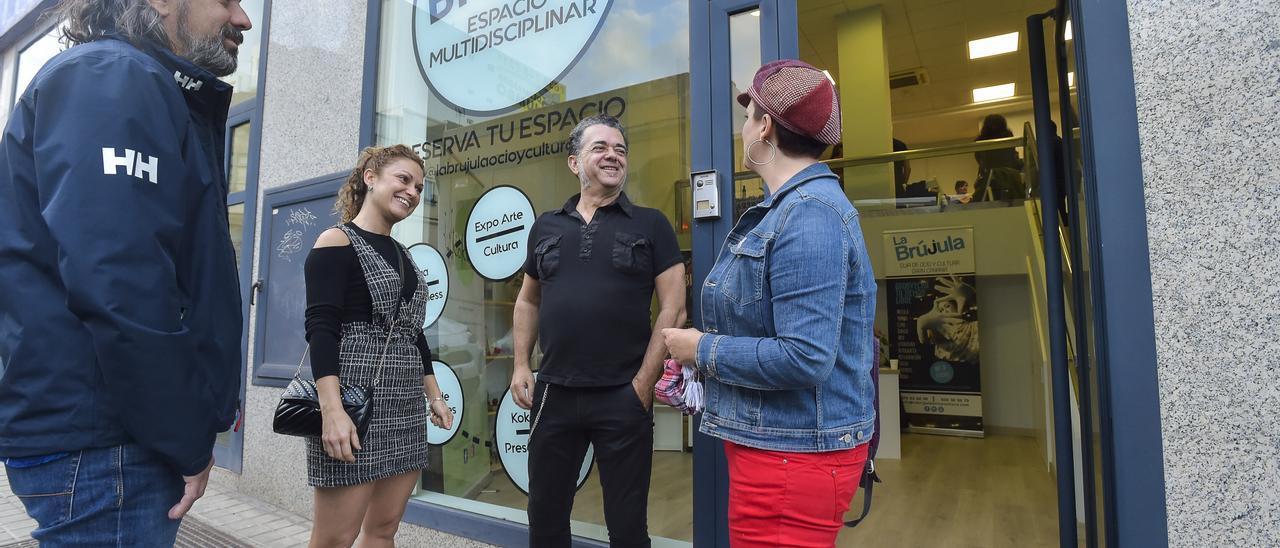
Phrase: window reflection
(245, 79)
(238, 160)
(235, 218)
(31, 59)
(744, 59)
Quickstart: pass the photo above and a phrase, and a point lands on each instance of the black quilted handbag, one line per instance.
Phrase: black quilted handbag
(298, 413)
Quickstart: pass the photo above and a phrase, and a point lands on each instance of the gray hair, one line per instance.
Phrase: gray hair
(139, 23)
(575, 137)
(91, 20)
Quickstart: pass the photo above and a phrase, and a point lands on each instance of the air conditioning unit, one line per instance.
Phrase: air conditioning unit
(908, 78)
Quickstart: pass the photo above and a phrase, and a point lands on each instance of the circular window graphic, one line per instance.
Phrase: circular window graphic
(488, 56)
(498, 231)
(451, 390)
(436, 273)
(512, 427)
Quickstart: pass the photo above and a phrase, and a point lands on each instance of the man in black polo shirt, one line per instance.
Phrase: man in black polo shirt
(589, 280)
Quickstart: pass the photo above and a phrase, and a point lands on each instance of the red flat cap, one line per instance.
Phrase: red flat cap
(798, 96)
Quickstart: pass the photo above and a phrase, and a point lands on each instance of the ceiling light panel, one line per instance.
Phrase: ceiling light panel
(993, 93)
(995, 45)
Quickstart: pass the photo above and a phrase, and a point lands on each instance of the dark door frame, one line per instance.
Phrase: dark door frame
(1129, 393)
(712, 149)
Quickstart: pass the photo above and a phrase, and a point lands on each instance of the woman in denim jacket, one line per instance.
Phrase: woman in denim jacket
(787, 313)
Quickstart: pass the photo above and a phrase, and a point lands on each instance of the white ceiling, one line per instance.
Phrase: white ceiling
(934, 35)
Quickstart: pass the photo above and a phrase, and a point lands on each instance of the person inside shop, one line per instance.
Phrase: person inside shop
(590, 276)
(907, 193)
(366, 302)
(785, 344)
(999, 171)
(901, 169)
(961, 195)
(120, 318)
(1060, 174)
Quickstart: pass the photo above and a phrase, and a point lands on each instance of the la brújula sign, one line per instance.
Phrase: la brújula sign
(929, 252)
(489, 56)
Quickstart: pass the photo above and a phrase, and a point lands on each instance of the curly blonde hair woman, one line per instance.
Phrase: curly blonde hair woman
(365, 305)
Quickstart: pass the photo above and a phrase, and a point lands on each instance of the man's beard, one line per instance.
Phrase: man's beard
(584, 182)
(209, 53)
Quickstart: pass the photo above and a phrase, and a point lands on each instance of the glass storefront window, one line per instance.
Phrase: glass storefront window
(235, 217)
(244, 114)
(35, 56)
(245, 78)
(744, 59)
(480, 127)
(238, 169)
(1084, 311)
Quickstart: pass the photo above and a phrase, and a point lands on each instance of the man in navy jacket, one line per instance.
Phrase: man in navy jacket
(119, 298)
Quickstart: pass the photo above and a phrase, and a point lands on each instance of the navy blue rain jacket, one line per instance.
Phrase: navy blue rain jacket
(119, 296)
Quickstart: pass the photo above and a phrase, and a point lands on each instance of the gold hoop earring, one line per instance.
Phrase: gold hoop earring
(773, 151)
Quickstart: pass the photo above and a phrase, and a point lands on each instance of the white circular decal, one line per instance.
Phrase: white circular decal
(488, 56)
(451, 389)
(512, 428)
(497, 232)
(436, 273)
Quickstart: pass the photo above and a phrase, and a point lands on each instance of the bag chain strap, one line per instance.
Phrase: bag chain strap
(390, 329)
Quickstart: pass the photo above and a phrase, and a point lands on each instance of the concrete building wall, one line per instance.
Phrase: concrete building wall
(1208, 89)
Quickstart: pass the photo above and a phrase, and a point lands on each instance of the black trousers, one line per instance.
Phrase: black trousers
(613, 420)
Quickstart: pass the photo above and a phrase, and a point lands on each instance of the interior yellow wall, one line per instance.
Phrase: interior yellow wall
(866, 112)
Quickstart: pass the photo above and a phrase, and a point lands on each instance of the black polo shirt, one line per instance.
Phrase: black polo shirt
(597, 283)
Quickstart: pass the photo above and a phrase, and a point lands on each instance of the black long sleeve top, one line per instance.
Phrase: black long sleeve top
(337, 293)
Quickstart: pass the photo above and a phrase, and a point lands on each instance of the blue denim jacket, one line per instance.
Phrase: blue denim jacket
(787, 311)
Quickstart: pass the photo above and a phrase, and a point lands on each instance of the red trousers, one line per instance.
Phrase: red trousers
(790, 499)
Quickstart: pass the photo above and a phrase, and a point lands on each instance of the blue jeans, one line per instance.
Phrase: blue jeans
(114, 496)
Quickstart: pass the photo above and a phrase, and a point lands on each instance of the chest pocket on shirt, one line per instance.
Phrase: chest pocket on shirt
(744, 277)
(547, 255)
(632, 253)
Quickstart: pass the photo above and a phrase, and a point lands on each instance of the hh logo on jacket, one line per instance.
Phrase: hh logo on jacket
(134, 164)
(186, 82)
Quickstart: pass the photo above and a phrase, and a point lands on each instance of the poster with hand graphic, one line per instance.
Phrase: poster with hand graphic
(933, 317)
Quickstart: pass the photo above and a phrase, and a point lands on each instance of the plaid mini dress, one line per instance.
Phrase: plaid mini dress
(397, 438)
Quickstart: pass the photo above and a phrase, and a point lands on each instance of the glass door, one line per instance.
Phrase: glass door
(1081, 487)
(988, 424)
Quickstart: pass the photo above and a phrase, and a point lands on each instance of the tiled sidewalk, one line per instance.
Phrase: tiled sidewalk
(15, 526)
(248, 520)
(251, 520)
